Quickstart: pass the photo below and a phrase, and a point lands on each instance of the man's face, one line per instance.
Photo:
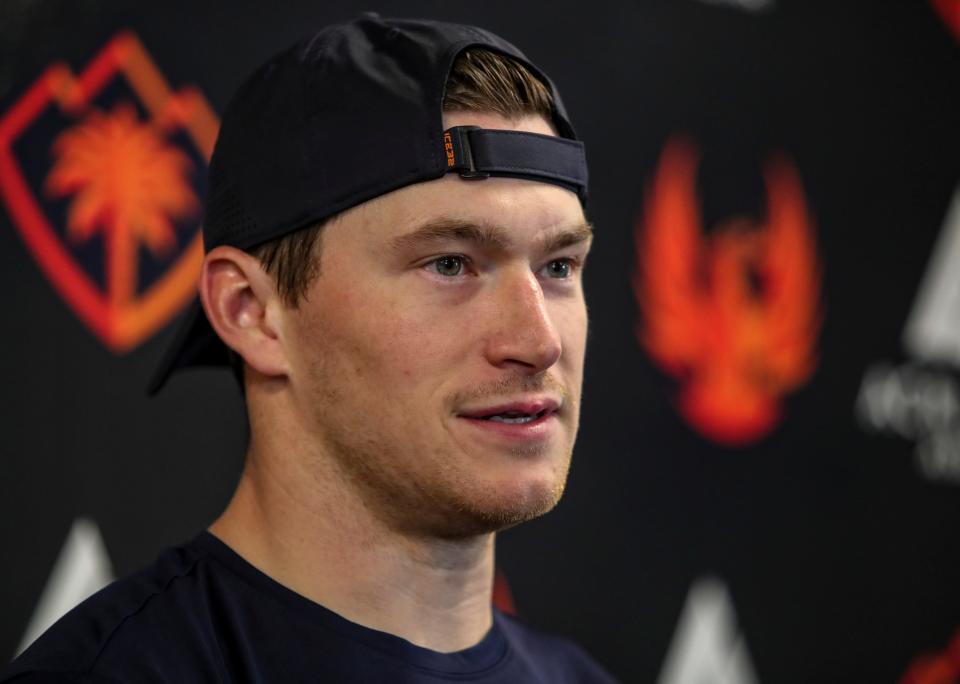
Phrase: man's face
(437, 360)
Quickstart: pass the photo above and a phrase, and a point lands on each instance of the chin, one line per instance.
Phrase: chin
(503, 504)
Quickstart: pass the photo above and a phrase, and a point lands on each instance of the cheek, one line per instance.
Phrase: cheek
(572, 324)
(397, 346)
(417, 342)
(381, 337)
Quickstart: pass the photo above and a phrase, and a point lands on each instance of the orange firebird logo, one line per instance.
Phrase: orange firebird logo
(118, 188)
(735, 314)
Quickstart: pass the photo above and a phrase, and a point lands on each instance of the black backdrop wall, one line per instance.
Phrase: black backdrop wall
(765, 488)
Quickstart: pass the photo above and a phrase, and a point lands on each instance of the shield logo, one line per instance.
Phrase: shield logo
(102, 174)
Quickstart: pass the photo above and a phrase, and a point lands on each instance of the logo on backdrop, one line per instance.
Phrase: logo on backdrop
(707, 647)
(940, 668)
(101, 173)
(733, 315)
(919, 400)
(82, 568)
(949, 11)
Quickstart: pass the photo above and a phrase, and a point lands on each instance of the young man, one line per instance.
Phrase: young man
(395, 238)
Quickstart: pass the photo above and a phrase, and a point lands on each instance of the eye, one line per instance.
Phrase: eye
(449, 265)
(560, 268)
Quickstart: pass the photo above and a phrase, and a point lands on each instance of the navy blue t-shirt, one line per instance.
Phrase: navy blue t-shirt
(201, 613)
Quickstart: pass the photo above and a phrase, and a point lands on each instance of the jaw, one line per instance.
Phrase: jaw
(511, 473)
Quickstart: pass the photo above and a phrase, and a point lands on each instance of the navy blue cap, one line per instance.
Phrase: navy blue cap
(350, 114)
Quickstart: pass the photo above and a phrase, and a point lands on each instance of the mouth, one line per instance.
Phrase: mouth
(514, 412)
(512, 417)
(523, 420)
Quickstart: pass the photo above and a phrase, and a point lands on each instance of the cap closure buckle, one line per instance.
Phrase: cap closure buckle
(456, 143)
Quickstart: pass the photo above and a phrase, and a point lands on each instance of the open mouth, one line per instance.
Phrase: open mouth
(514, 417)
(525, 420)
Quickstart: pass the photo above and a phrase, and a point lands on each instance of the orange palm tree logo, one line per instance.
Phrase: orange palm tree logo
(128, 183)
(125, 179)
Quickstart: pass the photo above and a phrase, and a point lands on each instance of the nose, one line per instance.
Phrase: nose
(523, 332)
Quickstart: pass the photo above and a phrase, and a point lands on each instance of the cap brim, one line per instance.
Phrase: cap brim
(195, 344)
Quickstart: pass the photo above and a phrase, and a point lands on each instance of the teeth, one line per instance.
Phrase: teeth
(512, 421)
(512, 417)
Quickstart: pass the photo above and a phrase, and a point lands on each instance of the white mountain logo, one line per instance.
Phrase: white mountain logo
(933, 329)
(81, 569)
(919, 400)
(707, 647)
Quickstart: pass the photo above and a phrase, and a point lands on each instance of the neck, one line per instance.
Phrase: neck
(293, 518)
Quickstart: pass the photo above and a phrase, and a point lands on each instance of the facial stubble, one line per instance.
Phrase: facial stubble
(424, 489)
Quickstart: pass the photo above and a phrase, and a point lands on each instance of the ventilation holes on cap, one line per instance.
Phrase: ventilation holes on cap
(226, 221)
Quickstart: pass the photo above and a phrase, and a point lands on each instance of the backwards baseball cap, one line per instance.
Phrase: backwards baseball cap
(344, 116)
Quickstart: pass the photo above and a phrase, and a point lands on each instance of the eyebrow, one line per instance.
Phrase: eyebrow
(486, 236)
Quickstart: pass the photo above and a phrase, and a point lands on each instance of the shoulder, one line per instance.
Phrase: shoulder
(561, 659)
(145, 614)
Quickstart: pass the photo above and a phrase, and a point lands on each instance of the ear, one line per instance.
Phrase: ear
(243, 306)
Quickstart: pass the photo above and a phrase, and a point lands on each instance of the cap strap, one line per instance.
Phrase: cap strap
(477, 153)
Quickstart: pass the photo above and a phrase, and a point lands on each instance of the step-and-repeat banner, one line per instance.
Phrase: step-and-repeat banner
(766, 487)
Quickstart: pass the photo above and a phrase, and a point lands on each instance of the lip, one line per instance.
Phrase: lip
(540, 429)
(528, 405)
